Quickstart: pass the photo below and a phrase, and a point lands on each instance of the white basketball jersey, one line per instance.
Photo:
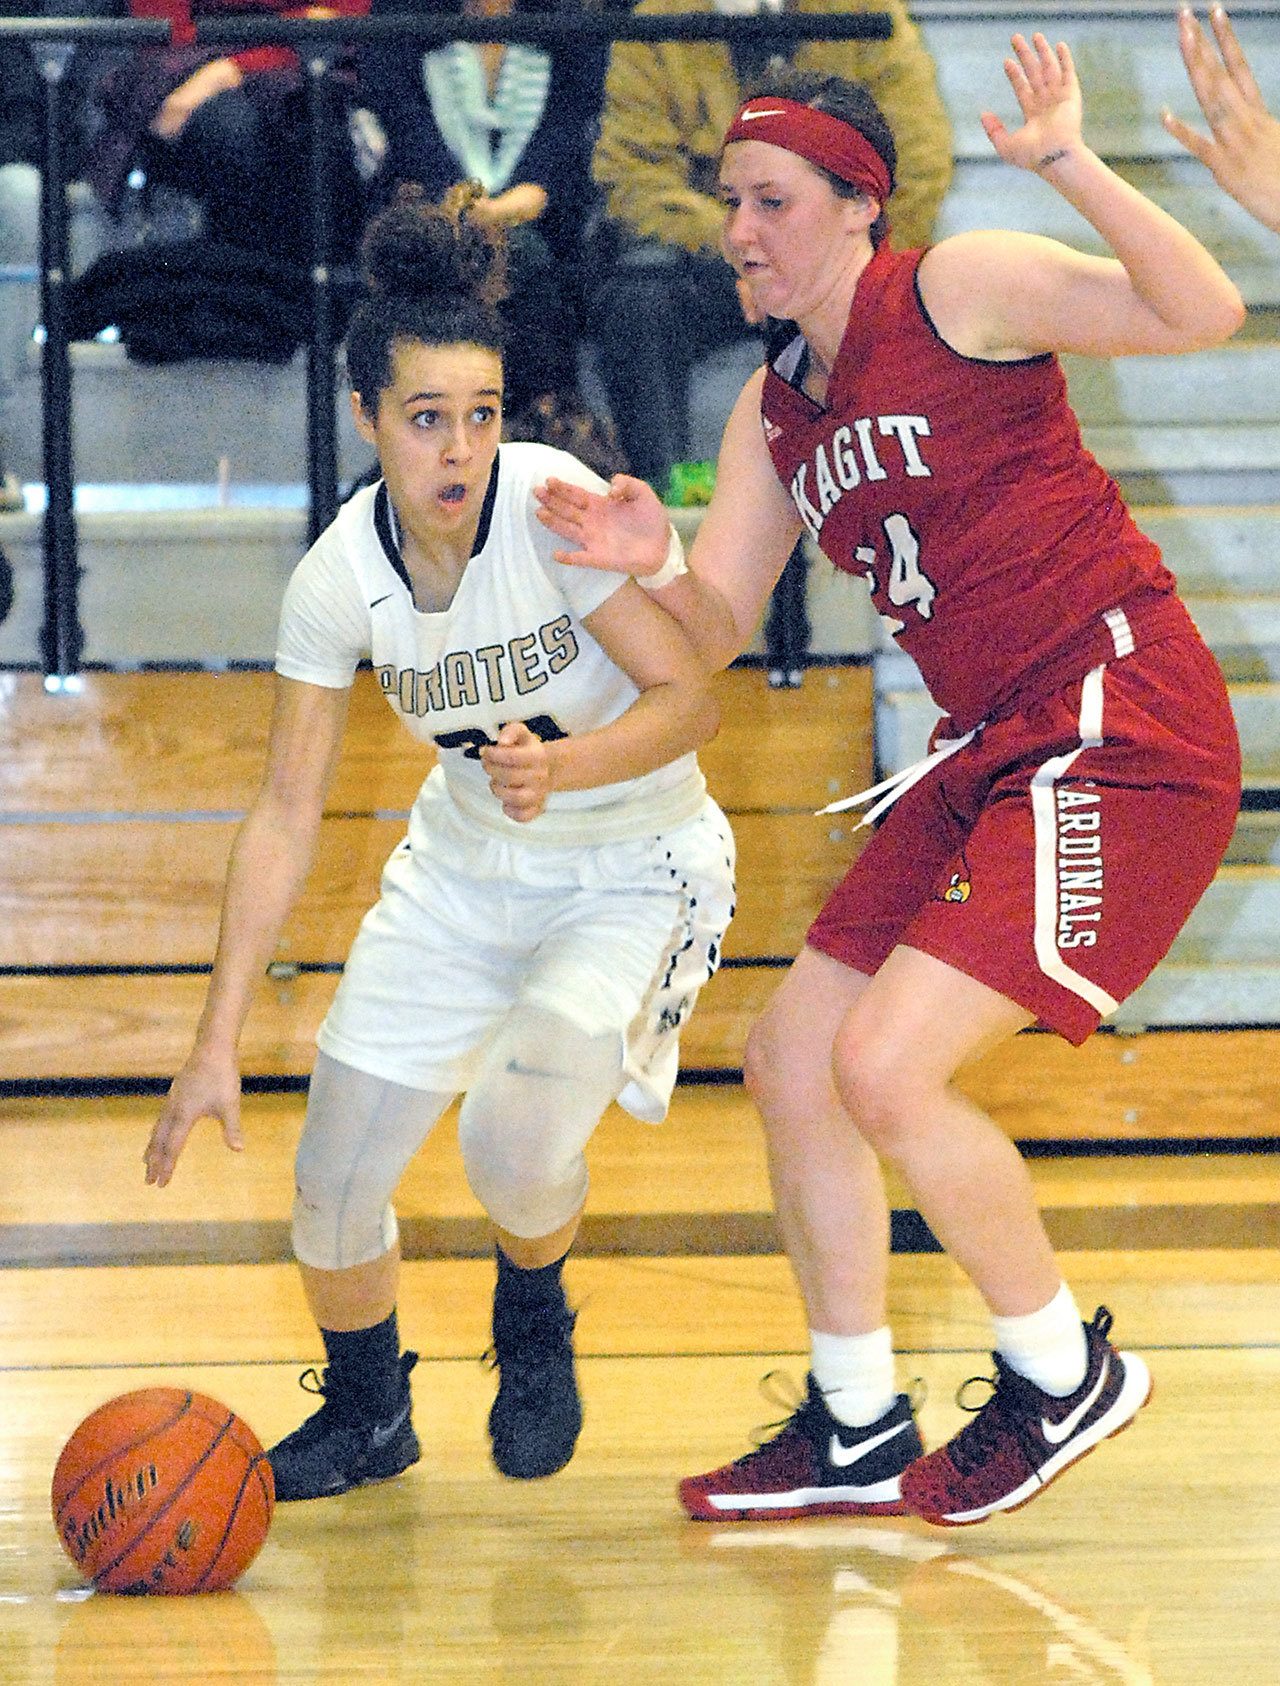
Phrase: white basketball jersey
(511, 646)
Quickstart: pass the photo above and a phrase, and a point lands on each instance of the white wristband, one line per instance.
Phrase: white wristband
(671, 569)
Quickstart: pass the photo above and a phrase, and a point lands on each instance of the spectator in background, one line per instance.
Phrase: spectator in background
(663, 296)
(1243, 151)
(522, 121)
(229, 130)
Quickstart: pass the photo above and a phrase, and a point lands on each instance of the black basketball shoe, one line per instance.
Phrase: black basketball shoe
(536, 1419)
(340, 1446)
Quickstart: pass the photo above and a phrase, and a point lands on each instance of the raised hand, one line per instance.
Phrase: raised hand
(624, 530)
(219, 76)
(1044, 80)
(1243, 149)
(525, 202)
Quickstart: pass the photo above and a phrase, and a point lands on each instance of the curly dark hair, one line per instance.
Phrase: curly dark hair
(434, 274)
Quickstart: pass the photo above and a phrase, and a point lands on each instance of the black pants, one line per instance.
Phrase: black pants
(243, 155)
(653, 311)
(541, 322)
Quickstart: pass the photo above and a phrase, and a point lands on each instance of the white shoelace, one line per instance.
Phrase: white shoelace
(898, 784)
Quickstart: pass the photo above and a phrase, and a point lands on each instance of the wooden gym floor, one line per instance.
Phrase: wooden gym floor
(1154, 1561)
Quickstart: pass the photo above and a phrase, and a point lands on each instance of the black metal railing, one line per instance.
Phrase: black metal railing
(318, 41)
(52, 42)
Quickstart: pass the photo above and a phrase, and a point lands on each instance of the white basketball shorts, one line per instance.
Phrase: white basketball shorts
(615, 937)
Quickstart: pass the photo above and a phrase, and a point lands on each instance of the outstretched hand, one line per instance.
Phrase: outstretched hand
(1044, 80)
(1243, 149)
(204, 1088)
(624, 530)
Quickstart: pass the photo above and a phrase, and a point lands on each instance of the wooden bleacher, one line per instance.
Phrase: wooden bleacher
(118, 806)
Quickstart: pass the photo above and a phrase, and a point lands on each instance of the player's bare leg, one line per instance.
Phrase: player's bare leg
(828, 1188)
(1060, 1387)
(894, 1056)
(356, 1298)
(844, 1449)
(541, 1250)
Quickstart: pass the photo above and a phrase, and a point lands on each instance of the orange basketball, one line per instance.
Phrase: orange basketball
(162, 1490)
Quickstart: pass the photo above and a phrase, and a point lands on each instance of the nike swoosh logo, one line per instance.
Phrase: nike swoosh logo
(1056, 1433)
(518, 1068)
(381, 599)
(387, 1431)
(774, 111)
(842, 1456)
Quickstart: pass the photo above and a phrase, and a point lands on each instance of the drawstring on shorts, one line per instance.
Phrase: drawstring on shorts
(898, 784)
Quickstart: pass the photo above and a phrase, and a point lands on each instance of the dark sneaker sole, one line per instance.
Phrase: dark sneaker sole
(970, 1519)
(540, 1473)
(507, 1462)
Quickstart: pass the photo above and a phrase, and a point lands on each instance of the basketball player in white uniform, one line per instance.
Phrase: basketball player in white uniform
(544, 928)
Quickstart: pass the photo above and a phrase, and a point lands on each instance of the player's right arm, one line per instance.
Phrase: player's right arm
(269, 862)
(740, 548)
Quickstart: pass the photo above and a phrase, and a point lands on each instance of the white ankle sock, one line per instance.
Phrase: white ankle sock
(1048, 1346)
(855, 1374)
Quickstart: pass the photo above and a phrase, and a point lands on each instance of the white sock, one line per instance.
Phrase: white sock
(1048, 1346)
(855, 1374)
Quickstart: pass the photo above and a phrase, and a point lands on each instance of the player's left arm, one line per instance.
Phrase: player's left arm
(1003, 294)
(674, 713)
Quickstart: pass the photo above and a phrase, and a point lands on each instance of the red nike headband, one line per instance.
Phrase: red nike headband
(824, 140)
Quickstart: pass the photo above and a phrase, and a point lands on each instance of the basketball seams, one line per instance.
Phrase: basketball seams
(173, 1498)
(197, 1457)
(268, 1499)
(118, 1452)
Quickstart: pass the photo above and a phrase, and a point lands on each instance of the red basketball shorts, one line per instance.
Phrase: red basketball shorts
(1056, 856)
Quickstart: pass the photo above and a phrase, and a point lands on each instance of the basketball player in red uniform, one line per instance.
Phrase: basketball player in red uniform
(1033, 870)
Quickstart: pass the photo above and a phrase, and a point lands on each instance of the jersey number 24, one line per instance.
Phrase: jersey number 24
(909, 585)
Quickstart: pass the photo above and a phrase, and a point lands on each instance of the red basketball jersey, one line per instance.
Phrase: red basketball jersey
(996, 547)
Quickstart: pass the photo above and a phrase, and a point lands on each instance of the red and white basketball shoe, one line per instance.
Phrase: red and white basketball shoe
(1023, 1438)
(816, 1466)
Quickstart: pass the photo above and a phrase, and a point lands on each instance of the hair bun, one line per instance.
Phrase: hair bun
(419, 249)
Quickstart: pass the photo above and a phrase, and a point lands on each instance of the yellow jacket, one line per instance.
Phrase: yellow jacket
(668, 104)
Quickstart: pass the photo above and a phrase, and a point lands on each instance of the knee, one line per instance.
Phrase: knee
(492, 1156)
(527, 1183)
(339, 1220)
(765, 1061)
(878, 1084)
